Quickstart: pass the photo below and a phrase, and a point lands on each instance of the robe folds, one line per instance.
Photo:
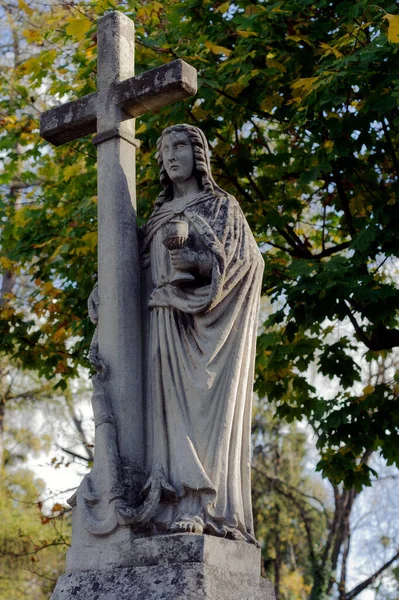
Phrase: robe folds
(201, 350)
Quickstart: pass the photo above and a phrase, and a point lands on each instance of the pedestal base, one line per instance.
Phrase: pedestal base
(172, 567)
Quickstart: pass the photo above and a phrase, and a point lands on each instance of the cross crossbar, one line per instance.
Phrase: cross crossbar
(137, 95)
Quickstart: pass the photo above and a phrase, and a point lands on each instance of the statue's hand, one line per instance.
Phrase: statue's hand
(184, 259)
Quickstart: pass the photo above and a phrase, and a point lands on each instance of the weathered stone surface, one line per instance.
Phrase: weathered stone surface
(171, 582)
(187, 548)
(186, 566)
(70, 121)
(158, 87)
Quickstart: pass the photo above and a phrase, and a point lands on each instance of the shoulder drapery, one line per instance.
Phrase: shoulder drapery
(220, 224)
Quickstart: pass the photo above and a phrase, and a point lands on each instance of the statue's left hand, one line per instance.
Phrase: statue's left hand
(184, 259)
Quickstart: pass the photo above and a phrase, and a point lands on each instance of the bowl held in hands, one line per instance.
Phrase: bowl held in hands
(175, 236)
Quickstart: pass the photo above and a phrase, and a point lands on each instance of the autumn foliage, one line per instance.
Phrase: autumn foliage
(300, 103)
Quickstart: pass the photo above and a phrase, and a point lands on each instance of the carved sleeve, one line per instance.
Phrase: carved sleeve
(205, 263)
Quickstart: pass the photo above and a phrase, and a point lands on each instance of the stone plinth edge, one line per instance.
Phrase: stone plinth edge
(175, 567)
(193, 581)
(240, 557)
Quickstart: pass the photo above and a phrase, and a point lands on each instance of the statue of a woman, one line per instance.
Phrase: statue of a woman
(200, 344)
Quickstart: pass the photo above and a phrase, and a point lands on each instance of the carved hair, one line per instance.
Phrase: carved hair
(202, 165)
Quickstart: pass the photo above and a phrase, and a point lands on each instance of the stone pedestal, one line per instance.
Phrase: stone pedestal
(170, 567)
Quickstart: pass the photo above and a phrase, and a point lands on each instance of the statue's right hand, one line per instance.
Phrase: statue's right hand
(184, 259)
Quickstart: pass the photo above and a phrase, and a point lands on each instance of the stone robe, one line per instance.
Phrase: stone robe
(201, 351)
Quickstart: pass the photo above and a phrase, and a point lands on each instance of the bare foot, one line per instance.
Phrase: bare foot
(234, 534)
(188, 524)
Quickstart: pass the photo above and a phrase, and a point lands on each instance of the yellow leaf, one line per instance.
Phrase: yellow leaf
(328, 145)
(267, 104)
(196, 57)
(303, 86)
(89, 242)
(6, 263)
(23, 6)
(246, 34)
(21, 218)
(7, 312)
(142, 13)
(56, 252)
(78, 28)
(330, 50)
(32, 65)
(199, 112)
(141, 129)
(59, 335)
(217, 49)
(48, 286)
(254, 10)
(277, 9)
(332, 115)
(90, 239)
(298, 38)
(271, 63)
(71, 170)
(50, 57)
(369, 389)
(223, 7)
(235, 88)
(32, 35)
(393, 28)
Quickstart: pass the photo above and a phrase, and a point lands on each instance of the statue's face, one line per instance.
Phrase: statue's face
(178, 156)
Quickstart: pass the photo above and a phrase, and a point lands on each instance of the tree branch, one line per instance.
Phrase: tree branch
(362, 586)
(390, 146)
(343, 198)
(78, 424)
(329, 251)
(382, 338)
(73, 454)
(333, 527)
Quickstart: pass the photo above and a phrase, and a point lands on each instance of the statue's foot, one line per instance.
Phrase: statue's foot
(188, 524)
(234, 534)
(231, 533)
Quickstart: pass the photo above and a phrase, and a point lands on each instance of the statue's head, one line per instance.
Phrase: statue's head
(196, 159)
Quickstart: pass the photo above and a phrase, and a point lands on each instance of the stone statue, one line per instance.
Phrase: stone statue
(203, 272)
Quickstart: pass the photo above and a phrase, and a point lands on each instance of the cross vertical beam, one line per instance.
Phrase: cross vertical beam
(118, 258)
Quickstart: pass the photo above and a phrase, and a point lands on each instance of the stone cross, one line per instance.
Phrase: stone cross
(110, 113)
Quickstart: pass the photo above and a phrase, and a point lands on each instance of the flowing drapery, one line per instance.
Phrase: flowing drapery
(201, 348)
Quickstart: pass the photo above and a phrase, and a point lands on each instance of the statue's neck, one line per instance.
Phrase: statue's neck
(186, 189)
